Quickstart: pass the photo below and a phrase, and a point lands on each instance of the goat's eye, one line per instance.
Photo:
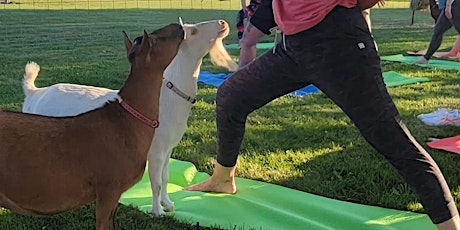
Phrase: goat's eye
(193, 31)
(138, 40)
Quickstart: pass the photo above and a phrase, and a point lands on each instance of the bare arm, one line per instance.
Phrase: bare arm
(244, 7)
(448, 11)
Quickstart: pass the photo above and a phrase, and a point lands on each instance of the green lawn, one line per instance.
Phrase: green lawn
(302, 143)
(123, 4)
(139, 4)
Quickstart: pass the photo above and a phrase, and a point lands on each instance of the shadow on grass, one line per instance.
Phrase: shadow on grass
(126, 218)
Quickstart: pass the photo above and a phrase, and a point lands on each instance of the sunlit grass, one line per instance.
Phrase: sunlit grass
(302, 143)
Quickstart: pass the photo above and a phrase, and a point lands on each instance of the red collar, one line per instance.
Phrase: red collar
(138, 115)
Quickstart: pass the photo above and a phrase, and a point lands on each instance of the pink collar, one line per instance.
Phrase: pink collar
(138, 115)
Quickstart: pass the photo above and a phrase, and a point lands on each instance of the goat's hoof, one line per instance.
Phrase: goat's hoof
(168, 206)
(158, 213)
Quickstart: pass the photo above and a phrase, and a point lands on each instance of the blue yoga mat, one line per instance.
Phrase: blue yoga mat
(216, 79)
(390, 78)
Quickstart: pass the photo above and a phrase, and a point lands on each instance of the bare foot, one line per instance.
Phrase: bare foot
(453, 55)
(211, 186)
(442, 54)
(422, 60)
(221, 181)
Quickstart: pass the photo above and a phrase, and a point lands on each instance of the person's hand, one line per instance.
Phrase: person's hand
(448, 11)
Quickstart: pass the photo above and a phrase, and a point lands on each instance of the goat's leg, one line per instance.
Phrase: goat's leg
(155, 173)
(106, 204)
(168, 205)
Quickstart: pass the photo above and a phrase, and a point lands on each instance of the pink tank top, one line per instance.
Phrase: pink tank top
(294, 16)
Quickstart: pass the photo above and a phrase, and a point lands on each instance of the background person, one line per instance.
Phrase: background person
(352, 78)
(259, 25)
(450, 16)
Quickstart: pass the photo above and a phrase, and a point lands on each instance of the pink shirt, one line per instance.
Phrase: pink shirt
(294, 16)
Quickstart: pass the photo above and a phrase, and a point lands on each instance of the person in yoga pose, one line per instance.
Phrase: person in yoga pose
(260, 24)
(352, 78)
(450, 16)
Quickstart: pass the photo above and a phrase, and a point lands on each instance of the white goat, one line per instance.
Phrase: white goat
(177, 95)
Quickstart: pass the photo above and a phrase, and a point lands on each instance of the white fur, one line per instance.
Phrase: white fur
(69, 99)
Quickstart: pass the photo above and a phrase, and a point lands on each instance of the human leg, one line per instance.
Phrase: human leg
(451, 224)
(221, 181)
(354, 82)
(266, 78)
(455, 51)
(442, 25)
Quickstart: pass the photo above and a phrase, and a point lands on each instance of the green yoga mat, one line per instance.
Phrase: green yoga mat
(260, 205)
(438, 63)
(392, 78)
(263, 45)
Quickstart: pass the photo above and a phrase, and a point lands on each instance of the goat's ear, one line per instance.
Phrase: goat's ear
(128, 43)
(146, 44)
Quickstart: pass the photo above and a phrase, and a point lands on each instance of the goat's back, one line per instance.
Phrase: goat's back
(62, 99)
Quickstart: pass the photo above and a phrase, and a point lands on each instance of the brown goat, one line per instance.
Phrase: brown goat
(52, 165)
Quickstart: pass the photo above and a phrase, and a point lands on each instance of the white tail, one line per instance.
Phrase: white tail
(31, 73)
(219, 56)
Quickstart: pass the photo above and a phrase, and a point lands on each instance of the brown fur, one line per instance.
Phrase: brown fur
(52, 165)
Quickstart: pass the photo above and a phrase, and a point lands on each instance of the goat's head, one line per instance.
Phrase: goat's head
(157, 48)
(205, 37)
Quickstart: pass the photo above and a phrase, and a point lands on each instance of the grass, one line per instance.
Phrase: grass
(123, 4)
(139, 4)
(302, 143)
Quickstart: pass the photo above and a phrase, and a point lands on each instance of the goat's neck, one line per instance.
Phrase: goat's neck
(183, 73)
(141, 91)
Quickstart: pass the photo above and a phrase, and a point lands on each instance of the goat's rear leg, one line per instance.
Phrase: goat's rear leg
(106, 204)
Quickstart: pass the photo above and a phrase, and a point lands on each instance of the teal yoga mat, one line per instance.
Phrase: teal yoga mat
(263, 45)
(438, 63)
(260, 205)
(392, 78)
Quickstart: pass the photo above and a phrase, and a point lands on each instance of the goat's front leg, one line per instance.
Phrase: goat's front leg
(155, 173)
(168, 205)
(106, 204)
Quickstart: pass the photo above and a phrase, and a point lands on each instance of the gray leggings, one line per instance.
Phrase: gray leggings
(442, 25)
(352, 78)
